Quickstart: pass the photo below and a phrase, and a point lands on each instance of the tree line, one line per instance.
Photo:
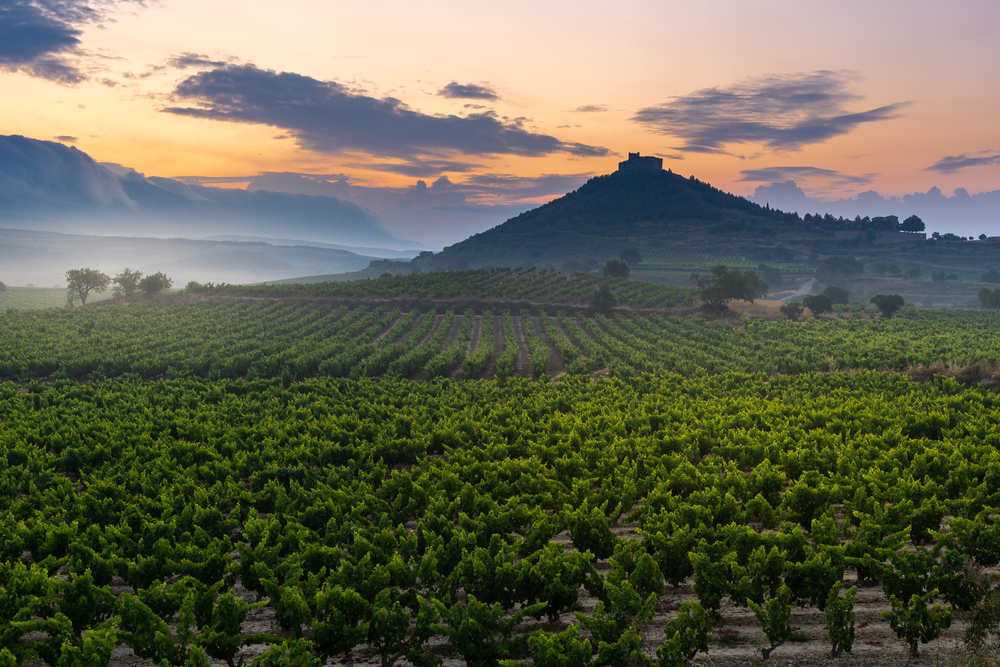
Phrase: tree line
(81, 282)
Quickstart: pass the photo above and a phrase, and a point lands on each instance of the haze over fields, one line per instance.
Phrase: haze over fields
(438, 121)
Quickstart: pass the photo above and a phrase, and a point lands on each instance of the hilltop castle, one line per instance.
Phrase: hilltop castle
(636, 162)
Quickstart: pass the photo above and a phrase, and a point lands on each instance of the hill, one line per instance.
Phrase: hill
(655, 211)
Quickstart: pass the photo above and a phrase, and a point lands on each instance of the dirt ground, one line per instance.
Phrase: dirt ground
(736, 639)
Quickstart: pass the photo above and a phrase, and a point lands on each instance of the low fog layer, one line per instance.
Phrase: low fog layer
(42, 258)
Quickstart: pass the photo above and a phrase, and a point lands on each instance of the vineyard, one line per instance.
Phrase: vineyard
(349, 477)
(296, 339)
(502, 284)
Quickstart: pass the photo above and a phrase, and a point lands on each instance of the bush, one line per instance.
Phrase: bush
(155, 283)
(604, 300)
(887, 304)
(915, 622)
(792, 310)
(818, 303)
(991, 276)
(839, 619)
(775, 619)
(724, 285)
(687, 635)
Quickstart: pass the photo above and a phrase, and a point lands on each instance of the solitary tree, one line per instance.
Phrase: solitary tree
(723, 285)
(630, 255)
(991, 276)
(912, 224)
(79, 283)
(155, 283)
(989, 298)
(792, 310)
(615, 268)
(818, 303)
(126, 283)
(3, 288)
(887, 304)
(604, 300)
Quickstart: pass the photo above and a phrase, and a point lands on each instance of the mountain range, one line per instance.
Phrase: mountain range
(52, 187)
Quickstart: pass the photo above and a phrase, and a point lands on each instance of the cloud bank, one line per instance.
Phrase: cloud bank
(783, 113)
(327, 117)
(41, 38)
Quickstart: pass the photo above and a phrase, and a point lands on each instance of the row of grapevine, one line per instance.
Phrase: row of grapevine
(380, 517)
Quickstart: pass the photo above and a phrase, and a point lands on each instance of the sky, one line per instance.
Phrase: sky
(447, 117)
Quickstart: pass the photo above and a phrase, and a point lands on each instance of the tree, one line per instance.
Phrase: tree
(80, 282)
(155, 283)
(3, 288)
(630, 255)
(991, 276)
(839, 271)
(983, 237)
(724, 285)
(989, 298)
(792, 310)
(887, 304)
(616, 268)
(938, 276)
(912, 224)
(126, 283)
(837, 295)
(913, 274)
(894, 270)
(604, 300)
(818, 303)
(881, 268)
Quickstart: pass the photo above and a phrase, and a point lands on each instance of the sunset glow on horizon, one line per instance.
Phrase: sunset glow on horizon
(514, 102)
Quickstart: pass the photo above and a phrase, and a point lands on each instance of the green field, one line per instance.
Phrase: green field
(324, 474)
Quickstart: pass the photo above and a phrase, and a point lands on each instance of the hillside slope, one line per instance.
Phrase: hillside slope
(656, 211)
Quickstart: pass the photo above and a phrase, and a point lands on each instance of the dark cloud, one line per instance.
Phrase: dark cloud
(40, 37)
(830, 176)
(67, 139)
(780, 112)
(468, 92)
(188, 60)
(419, 168)
(953, 163)
(327, 117)
(591, 108)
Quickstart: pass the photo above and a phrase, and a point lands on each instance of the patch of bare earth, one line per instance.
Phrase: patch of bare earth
(556, 366)
(524, 351)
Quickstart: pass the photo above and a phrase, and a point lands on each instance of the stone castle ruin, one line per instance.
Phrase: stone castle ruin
(636, 162)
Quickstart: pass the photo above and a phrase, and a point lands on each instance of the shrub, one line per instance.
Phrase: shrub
(792, 310)
(839, 619)
(775, 619)
(818, 303)
(837, 295)
(916, 621)
(887, 304)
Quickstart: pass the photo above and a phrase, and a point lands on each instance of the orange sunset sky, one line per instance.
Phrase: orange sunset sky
(520, 101)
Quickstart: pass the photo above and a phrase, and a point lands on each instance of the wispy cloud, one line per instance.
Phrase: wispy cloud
(66, 139)
(469, 91)
(327, 117)
(781, 112)
(189, 60)
(590, 108)
(954, 163)
(42, 37)
(829, 176)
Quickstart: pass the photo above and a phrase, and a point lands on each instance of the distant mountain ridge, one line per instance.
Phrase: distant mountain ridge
(66, 189)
